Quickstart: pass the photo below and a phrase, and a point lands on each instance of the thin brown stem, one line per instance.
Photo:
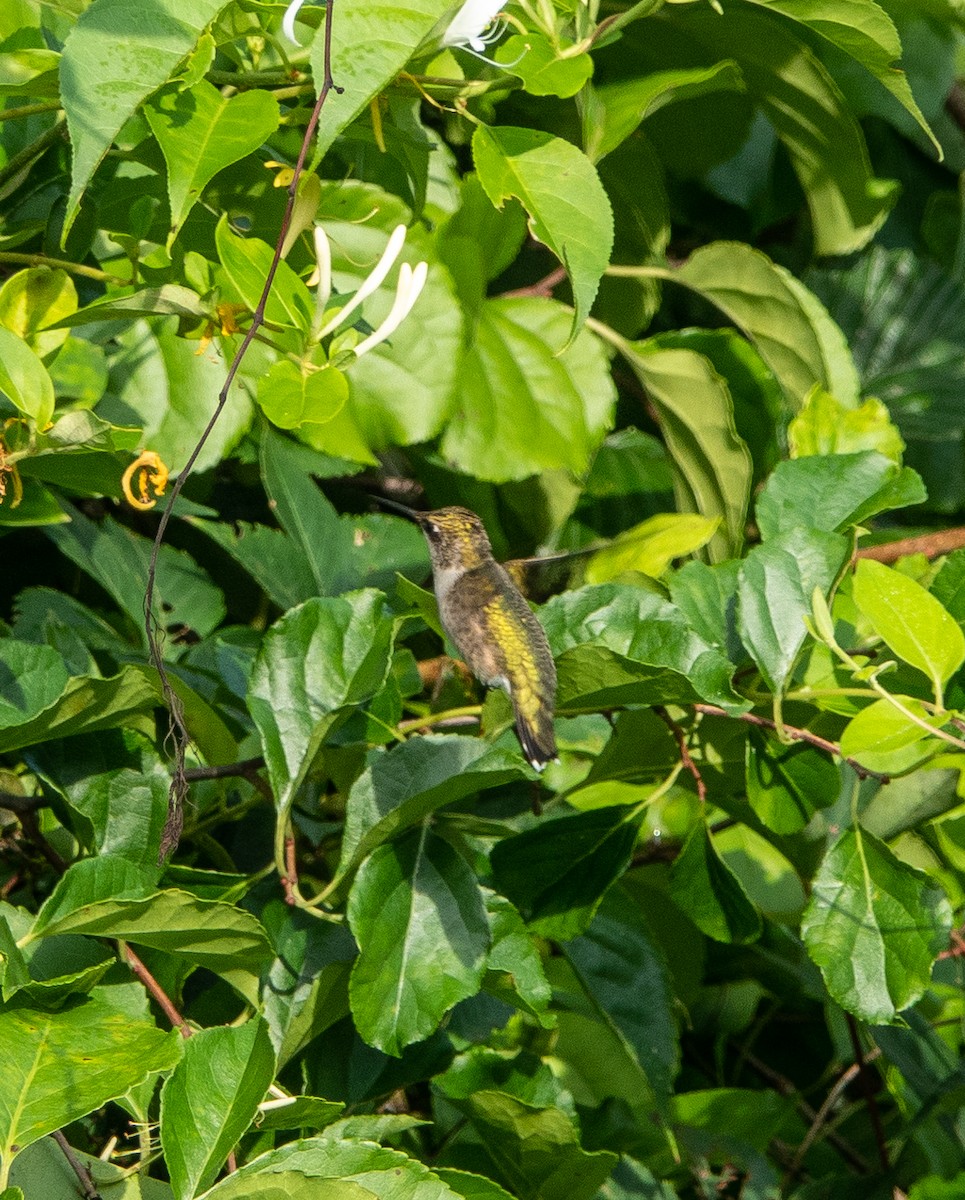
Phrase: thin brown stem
(542, 287)
(163, 1000)
(227, 771)
(797, 735)
(871, 1100)
(290, 879)
(680, 737)
(943, 541)
(177, 726)
(90, 1192)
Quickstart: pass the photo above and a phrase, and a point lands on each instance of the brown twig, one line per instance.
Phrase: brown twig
(82, 1173)
(177, 728)
(820, 1120)
(871, 1100)
(21, 804)
(289, 882)
(943, 541)
(164, 1001)
(957, 948)
(798, 735)
(542, 287)
(680, 737)
(244, 769)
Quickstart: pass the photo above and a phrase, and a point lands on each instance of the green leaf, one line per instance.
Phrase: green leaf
(874, 926)
(201, 132)
(317, 663)
(400, 789)
(43, 1170)
(834, 492)
(34, 299)
(536, 1150)
(309, 1112)
(418, 916)
(99, 1049)
(786, 785)
(471, 1187)
(820, 132)
(159, 382)
(789, 326)
(774, 595)
(86, 706)
(867, 33)
(246, 261)
(289, 397)
(825, 426)
(625, 976)
(541, 67)
(910, 621)
(514, 969)
(210, 1099)
(116, 55)
(168, 300)
(306, 989)
(710, 893)
(883, 739)
(558, 186)
(24, 379)
(617, 644)
(557, 873)
(650, 547)
(523, 407)
(32, 678)
(266, 554)
(117, 558)
(616, 109)
(712, 465)
(372, 40)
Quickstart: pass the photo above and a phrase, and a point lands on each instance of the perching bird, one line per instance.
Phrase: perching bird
(493, 628)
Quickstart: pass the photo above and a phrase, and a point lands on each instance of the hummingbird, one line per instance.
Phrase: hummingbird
(491, 625)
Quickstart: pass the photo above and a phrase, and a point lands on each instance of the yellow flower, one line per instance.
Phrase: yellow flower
(151, 473)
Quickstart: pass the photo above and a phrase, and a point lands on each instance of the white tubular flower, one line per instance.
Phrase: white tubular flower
(321, 278)
(411, 283)
(468, 27)
(288, 21)
(373, 282)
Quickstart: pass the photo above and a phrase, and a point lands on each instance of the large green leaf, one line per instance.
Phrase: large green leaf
(201, 132)
(371, 43)
(537, 1150)
(834, 492)
(820, 132)
(418, 916)
(625, 976)
(400, 789)
(209, 1101)
(246, 262)
(874, 926)
(99, 1049)
(712, 465)
(617, 644)
(522, 406)
(117, 54)
(774, 592)
(866, 32)
(558, 186)
(24, 380)
(912, 623)
(557, 873)
(790, 328)
(317, 663)
(710, 893)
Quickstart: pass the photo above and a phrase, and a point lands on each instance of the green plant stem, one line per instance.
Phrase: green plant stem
(44, 260)
(27, 155)
(29, 110)
(241, 79)
(439, 718)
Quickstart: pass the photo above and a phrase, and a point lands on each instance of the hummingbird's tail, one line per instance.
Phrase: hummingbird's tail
(537, 738)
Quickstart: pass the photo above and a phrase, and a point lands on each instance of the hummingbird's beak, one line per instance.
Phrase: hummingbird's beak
(402, 509)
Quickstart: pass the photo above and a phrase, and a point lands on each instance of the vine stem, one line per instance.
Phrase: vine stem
(164, 1001)
(177, 727)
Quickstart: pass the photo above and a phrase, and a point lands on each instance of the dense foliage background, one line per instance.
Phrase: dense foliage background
(693, 319)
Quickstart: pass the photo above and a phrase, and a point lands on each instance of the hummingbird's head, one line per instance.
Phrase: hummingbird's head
(457, 538)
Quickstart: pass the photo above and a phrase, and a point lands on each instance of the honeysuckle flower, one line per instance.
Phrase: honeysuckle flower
(288, 21)
(410, 284)
(468, 28)
(151, 473)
